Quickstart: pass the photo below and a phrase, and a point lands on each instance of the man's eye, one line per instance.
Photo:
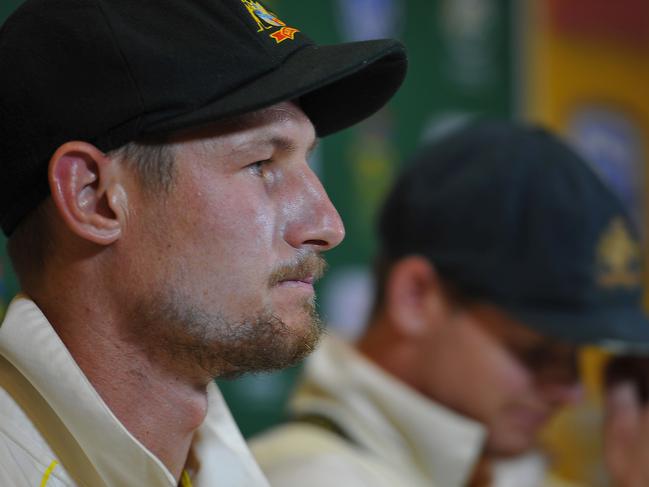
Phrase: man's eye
(257, 168)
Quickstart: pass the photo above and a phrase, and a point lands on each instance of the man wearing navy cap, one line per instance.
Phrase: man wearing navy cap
(500, 252)
(164, 224)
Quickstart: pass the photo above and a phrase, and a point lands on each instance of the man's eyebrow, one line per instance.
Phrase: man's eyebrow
(288, 145)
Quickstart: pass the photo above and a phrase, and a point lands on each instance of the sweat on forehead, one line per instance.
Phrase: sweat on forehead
(282, 127)
(279, 114)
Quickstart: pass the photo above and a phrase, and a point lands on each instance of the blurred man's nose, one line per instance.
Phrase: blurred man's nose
(563, 393)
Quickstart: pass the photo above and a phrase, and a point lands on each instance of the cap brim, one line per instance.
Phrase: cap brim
(618, 329)
(337, 85)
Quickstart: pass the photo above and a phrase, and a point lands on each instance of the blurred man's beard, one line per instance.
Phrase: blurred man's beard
(226, 348)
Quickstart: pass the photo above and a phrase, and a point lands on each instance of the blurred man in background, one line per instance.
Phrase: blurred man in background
(501, 251)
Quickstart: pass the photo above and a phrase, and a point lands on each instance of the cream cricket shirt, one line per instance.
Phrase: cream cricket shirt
(398, 438)
(56, 431)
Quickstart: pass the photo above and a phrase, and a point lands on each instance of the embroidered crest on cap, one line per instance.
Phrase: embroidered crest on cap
(266, 19)
(284, 33)
(618, 257)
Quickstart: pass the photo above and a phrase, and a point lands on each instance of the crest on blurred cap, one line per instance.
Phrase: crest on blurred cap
(618, 257)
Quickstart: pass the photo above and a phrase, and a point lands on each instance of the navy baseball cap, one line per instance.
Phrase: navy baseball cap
(112, 71)
(511, 215)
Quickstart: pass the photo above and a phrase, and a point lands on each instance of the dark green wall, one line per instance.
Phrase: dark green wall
(460, 64)
(8, 6)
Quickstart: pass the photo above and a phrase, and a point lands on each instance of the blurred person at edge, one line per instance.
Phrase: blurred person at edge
(501, 253)
(165, 226)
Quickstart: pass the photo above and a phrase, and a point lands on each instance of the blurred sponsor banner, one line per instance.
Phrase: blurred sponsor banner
(361, 20)
(585, 74)
(587, 69)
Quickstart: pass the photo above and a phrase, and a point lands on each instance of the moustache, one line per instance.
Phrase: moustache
(305, 267)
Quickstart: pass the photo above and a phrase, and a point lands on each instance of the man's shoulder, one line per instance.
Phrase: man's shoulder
(25, 458)
(298, 439)
(21, 466)
(299, 453)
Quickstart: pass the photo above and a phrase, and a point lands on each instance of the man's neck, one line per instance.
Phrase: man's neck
(151, 397)
(482, 475)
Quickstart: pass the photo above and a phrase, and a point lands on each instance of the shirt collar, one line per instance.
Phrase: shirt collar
(31, 345)
(388, 416)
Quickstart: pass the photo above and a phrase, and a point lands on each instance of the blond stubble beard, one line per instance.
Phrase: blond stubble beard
(220, 347)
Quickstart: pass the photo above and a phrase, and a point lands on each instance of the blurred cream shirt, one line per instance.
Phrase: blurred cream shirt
(397, 437)
(55, 430)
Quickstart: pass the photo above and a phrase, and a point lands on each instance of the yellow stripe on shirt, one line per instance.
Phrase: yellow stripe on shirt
(48, 472)
(185, 481)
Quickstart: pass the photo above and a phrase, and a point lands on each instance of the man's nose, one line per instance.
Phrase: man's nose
(314, 222)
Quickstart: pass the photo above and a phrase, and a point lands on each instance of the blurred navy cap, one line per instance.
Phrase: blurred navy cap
(510, 214)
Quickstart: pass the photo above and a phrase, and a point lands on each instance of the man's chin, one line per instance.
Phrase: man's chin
(211, 345)
(271, 345)
(263, 361)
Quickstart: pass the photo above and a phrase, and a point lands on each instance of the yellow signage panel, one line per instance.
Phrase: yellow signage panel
(586, 75)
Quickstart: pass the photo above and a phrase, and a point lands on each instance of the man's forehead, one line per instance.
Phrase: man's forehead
(281, 113)
(283, 126)
(284, 112)
(276, 117)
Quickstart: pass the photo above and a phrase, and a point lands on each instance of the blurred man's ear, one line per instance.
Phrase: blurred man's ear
(87, 191)
(414, 298)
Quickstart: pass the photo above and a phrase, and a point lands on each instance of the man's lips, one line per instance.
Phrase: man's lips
(304, 269)
(308, 280)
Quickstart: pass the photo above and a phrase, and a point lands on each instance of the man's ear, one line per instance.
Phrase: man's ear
(414, 296)
(88, 192)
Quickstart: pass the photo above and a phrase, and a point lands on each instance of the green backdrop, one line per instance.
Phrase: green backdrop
(460, 66)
